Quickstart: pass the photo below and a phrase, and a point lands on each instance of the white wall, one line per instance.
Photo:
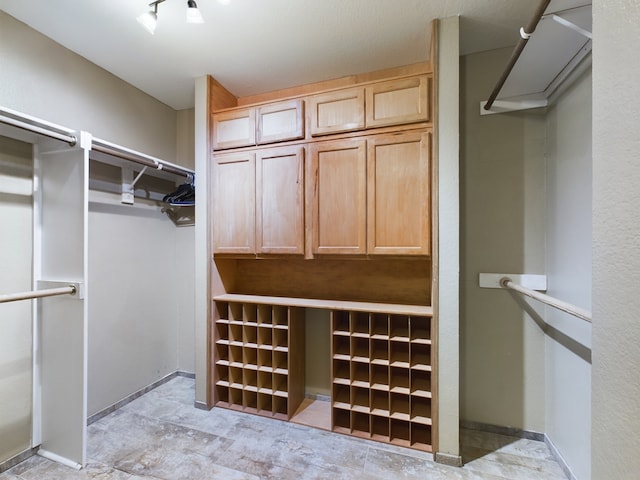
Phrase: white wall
(615, 405)
(568, 269)
(16, 217)
(502, 231)
(134, 332)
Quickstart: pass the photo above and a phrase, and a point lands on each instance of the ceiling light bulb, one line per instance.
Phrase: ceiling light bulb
(149, 20)
(193, 14)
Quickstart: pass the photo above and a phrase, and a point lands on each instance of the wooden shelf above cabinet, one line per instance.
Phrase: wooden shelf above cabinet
(328, 304)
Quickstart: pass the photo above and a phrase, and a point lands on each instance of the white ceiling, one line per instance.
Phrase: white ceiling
(255, 46)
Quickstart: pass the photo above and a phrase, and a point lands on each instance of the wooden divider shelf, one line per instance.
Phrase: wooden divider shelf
(259, 358)
(382, 377)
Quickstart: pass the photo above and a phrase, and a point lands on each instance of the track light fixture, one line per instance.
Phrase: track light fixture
(149, 20)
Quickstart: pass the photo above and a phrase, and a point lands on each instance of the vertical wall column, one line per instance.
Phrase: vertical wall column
(61, 180)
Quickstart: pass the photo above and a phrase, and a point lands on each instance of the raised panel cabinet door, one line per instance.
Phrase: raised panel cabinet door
(398, 193)
(339, 111)
(234, 128)
(339, 192)
(280, 200)
(280, 121)
(233, 200)
(397, 102)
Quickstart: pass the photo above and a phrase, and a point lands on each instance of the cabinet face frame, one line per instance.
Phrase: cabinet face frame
(399, 182)
(385, 102)
(235, 128)
(283, 128)
(346, 106)
(329, 221)
(287, 200)
(231, 203)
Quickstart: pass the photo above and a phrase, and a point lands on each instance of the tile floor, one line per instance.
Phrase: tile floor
(162, 436)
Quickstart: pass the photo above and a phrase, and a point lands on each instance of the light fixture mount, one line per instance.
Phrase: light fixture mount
(149, 20)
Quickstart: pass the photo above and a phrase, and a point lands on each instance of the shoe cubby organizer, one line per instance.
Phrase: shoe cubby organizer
(382, 377)
(259, 358)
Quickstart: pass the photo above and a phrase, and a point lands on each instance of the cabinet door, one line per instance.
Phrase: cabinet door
(280, 121)
(338, 192)
(234, 203)
(280, 200)
(397, 102)
(235, 128)
(339, 111)
(398, 193)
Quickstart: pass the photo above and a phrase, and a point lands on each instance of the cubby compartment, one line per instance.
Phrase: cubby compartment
(340, 322)
(399, 380)
(249, 314)
(222, 329)
(280, 341)
(280, 408)
(341, 421)
(399, 432)
(360, 349)
(379, 352)
(280, 362)
(380, 403)
(279, 384)
(421, 384)
(420, 329)
(265, 336)
(360, 424)
(421, 437)
(265, 404)
(223, 375)
(264, 315)
(399, 406)
(399, 327)
(399, 354)
(235, 312)
(250, 335)
(250, 400)
(379, 326)
(280, 316)
(250, 379)
(421, 357)
(265, 382)
(250, 356)
(421, 411)
(341, 347)
(222, 351)
(222, 395)
(341, 396)
(341, 372)
(235, 356)
(360, 399)
(235, 398)
(359, 324)
(222, 309)
(380, 428)
(265, 360)
(235, 377)
(380, 377)
(235, 334)
(360, 374)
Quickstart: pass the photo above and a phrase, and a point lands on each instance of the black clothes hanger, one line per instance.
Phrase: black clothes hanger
(184, 195)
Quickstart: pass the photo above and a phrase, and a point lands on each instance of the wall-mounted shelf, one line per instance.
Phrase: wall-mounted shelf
(557, 52)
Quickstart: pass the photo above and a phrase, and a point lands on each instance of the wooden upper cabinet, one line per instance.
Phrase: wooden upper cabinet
(398, 101)
(277, 122)
(280, 200)
(339, 111)
(337, 179)
(233, 199)
(235, 128)
(398, 194)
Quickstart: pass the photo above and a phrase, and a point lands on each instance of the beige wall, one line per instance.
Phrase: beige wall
(16, 171)
(502, 231)
(568, 269)
(139, 325)
(616, 228)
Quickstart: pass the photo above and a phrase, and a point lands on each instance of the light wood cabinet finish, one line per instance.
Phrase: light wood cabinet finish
(397, 102)
(234, 203)
(398, 194)
(280, 200)
(280, 121)
(338, 195)
(235, 128)
(338, 111)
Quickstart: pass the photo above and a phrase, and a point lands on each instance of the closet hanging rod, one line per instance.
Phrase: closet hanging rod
(103, 146)
(525, 34)
(49, 292)
(35, 125)
(581, 313)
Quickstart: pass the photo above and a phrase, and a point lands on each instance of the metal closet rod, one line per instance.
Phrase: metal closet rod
(49, 292)
(524, 37)
(581, 313)
(15, 119)
(149, 162)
